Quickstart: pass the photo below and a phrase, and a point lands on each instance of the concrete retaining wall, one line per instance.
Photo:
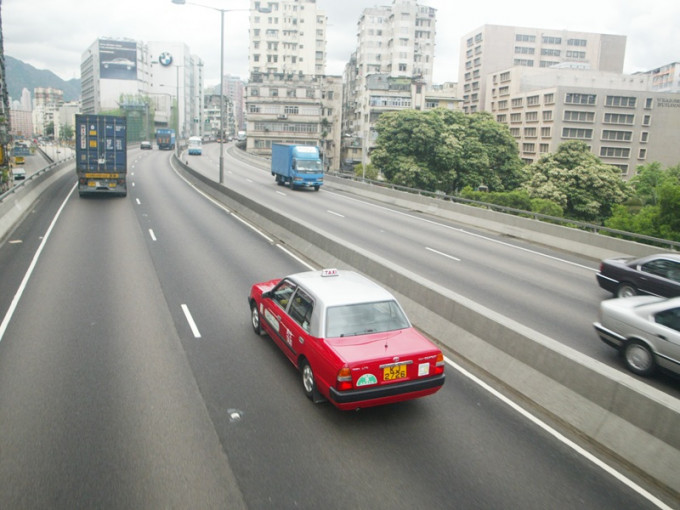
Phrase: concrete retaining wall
(621, 416)
(20, 199)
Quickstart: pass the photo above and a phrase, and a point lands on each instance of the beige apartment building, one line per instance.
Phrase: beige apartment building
(620, 117)
(492, 48)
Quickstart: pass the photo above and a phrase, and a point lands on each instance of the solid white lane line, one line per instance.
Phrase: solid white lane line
(31, 267)
(153, 236)
(335, 214)
(138, 201)
(557, 435)
(190, 320)
(442, 254)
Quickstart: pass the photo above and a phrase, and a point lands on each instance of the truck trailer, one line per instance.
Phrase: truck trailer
(165, 139)
(298, 166)
(101, 154)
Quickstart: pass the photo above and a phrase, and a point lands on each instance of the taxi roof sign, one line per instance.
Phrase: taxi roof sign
(330, 272)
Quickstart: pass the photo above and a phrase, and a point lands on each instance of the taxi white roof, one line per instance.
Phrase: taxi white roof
(345, 287)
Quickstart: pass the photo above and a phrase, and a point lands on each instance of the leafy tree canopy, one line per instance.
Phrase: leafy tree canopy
(578, 181)
(444, 150)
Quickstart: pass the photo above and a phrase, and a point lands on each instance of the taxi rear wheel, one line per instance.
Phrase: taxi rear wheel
(308, 379)
(255, 319)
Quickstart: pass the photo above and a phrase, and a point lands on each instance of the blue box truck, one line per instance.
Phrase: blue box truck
(101, 154)
(298, 166)
(165, 139)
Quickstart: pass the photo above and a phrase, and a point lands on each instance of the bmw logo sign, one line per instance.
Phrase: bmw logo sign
(165, 58)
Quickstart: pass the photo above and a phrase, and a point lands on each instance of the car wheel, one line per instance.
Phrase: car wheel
(255, 319)
(626, 290)
(308, 379)
(638, 358)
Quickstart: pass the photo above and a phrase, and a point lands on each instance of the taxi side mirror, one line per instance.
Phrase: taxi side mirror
(267, 295)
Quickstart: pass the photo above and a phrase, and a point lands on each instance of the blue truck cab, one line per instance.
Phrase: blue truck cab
(298, 166)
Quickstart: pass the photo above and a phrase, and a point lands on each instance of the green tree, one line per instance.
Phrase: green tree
(577, 181)
(446, 150)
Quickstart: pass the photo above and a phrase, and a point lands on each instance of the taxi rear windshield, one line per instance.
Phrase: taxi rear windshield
(364, 319)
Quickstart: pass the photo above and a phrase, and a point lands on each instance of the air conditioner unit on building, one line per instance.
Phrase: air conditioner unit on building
(283, 116)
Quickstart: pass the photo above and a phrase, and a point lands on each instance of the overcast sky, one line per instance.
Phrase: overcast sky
(53, 34)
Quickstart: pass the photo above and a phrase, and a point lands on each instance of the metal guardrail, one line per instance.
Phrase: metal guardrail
(18, 186)
(591, 227)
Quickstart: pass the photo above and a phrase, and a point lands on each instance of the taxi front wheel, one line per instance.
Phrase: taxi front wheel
(255, 319)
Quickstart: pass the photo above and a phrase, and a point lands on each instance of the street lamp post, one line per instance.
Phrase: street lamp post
(221, 11)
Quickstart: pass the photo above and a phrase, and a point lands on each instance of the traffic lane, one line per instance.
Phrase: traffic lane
(192, 245)
(98, 403)
(551, 292)
(19, 247)
(405, 455)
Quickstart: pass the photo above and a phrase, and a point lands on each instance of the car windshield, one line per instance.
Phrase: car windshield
(364, 318)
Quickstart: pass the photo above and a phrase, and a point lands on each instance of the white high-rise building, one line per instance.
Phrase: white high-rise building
(287, 36)
(289, 98)
(391, 69)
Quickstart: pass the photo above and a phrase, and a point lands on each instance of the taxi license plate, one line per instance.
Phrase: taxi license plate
(394, 372)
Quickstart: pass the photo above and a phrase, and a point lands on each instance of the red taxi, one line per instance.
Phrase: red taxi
(348, 337)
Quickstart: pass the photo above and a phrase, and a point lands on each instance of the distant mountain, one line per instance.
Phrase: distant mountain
(20, 75)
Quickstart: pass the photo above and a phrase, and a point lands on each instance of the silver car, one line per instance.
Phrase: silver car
(645, 329)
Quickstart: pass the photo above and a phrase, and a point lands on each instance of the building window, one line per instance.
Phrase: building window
(505, 76)
(642, 154)
(533, 100)
(515, 118)
(531, 117)
(524, 50)
(614, 152)
(551, 40)
(647, 120)
(530, 132)
(576, 42)
(548, 52)
(503, 105)
(503, 118)
(619, 136)
(577, 133)
(621, 101)
(644, 137)
(547, 115)
(545, 132)
(573, 98)
(576, 116)
(619, 118)
(529, 148)
(579, 55)
(649, 103)
(525, 38)
(517, 102)
(291, 110)
(544, 148)
(549, 98)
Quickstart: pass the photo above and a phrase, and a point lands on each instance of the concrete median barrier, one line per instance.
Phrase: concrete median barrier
(615, 413)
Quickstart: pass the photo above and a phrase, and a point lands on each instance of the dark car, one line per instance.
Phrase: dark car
(657, 275)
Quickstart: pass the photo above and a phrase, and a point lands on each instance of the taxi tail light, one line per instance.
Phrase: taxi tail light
(439, 364)
(344, 379)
